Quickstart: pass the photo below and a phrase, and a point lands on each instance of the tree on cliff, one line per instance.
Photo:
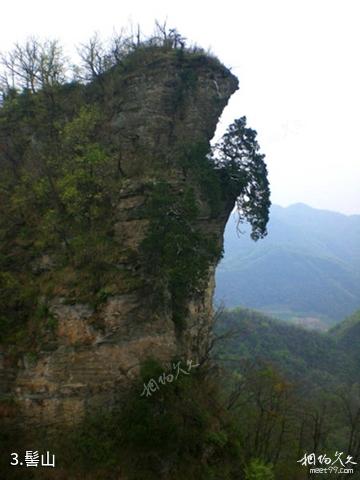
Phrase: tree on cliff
(33, 66)
(244, 173)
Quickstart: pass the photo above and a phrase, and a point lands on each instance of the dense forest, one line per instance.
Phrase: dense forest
(296, 390)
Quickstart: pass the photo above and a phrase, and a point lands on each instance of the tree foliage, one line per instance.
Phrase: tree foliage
(37, 64)
(244, 170)
(257, 470)
(293, 391)
(33, 66)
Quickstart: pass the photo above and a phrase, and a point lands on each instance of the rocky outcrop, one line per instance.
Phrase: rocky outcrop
(158, 110)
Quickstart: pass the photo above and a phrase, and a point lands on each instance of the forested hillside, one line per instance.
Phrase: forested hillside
(347, 335)
(307, 269)
(309, 357)
(293, 390)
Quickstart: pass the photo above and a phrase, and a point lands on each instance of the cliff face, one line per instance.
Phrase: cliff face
(160, 117)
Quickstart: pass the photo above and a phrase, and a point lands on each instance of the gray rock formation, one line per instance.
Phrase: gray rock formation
(156, 109)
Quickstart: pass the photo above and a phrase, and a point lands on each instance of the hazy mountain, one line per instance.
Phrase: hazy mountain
(307, 268)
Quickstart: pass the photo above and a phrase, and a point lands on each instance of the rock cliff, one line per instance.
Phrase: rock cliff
(166, 223)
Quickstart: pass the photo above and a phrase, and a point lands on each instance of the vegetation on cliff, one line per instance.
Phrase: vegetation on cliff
(62, 175)
(74, 175)
(251, 418)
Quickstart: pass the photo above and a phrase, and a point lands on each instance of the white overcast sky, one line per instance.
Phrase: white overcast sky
(297, 62)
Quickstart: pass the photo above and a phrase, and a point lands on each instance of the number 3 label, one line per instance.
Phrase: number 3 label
(15, 460)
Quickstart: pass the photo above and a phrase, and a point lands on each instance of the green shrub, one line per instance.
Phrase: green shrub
(177, 253)
(258, 470)
(177, 433)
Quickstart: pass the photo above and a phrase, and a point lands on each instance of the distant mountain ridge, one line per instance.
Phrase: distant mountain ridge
(307, 268)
